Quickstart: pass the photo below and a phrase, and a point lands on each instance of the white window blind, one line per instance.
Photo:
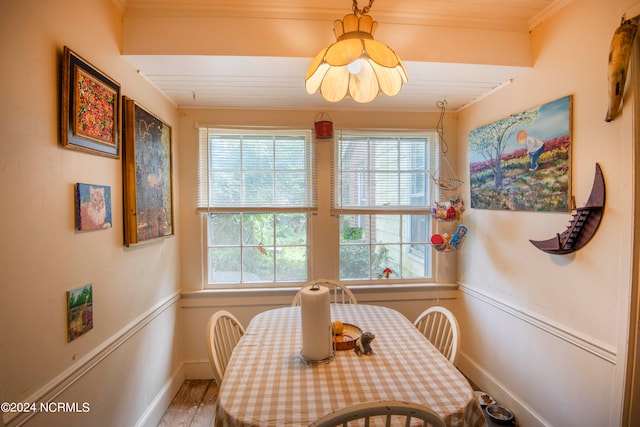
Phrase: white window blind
(256, 171)
(384, 173)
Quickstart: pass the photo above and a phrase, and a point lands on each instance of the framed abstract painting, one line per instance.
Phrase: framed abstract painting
(90, 110)
(148, 176)
(523, 162)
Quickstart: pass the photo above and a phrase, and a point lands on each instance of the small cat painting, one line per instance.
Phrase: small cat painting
(93, 206)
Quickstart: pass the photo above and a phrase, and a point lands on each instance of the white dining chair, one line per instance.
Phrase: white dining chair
(339, 293)
(383, 410)
(441, 328)
(223, 333)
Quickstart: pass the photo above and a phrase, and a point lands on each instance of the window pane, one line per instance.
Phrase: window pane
(384, 172)
(257, 153)
(383, 257)
(414, 261)
(224, 229)
(398, 243)
(257, 169)
(354, 262)
(291, 229)
(258, 188)
(291, 263)
(224, 265)
(257, 248)
(257, 264)
(386, 228)
(225, 191)
(257, 229)
(289, 187)
(225, 153)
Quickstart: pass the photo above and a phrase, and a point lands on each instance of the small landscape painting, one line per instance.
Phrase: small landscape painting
(93, 207)
(79, 311)
(523, 162)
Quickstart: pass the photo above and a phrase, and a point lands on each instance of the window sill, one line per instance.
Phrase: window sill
(364, 293)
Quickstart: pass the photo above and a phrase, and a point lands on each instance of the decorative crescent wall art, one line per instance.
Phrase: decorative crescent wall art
(583, 225)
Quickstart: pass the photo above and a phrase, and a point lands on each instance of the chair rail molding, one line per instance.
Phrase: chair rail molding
(55, 387)
(589, 344)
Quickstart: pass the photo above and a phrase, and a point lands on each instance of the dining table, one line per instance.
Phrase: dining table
(268, 382)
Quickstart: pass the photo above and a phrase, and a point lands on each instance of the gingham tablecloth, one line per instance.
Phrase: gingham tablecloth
(267, 383)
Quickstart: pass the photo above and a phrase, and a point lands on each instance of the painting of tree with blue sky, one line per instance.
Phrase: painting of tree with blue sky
(522, 162)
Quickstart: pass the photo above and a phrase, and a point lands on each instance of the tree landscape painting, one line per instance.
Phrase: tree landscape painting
(79, 311)
(523, 162)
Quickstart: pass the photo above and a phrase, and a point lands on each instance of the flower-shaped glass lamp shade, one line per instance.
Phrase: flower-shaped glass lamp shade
(355, 65)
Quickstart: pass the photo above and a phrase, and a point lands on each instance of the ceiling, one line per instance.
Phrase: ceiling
(256, 81)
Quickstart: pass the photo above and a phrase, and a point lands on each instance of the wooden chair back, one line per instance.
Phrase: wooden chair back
(223, 333)
(385, 410)
(441, 328)
(339, 293)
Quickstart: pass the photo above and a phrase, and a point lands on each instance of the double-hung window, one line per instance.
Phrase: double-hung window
(258, 195)
(257, 189)
(383, 196)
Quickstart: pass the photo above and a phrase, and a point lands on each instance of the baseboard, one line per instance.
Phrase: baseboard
(161, 402)
(54, 388)
(526, 416)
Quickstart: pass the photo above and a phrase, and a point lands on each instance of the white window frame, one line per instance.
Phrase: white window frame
(322, 225)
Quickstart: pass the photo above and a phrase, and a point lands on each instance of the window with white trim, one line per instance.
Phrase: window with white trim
(257, 189)
(258, 194)
(383, 197)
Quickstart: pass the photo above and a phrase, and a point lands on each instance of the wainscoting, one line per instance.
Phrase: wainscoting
(127, 375)
(531, 364)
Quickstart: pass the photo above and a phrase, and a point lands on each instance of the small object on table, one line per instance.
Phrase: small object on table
(363, 344)
(347, 339)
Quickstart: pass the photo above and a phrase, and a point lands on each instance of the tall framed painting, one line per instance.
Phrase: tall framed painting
(523, 162)
(90, 110)
(148, 176)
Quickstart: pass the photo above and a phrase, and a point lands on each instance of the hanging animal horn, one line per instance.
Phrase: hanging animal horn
(619, 54)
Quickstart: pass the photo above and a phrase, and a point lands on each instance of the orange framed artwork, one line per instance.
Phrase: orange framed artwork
(90, 110)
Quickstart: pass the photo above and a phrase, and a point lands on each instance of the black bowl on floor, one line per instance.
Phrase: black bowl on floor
(499, 414)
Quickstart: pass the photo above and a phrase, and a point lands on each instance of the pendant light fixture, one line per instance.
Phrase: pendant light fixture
(356, 65)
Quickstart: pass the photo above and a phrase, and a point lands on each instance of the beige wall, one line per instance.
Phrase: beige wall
(121, 365)
(546, 334)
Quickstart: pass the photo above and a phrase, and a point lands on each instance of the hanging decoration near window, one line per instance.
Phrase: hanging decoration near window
(352, 233)
(444, 177)
(446, 242)
(451, 210)
(450, 206)
(323, 126)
